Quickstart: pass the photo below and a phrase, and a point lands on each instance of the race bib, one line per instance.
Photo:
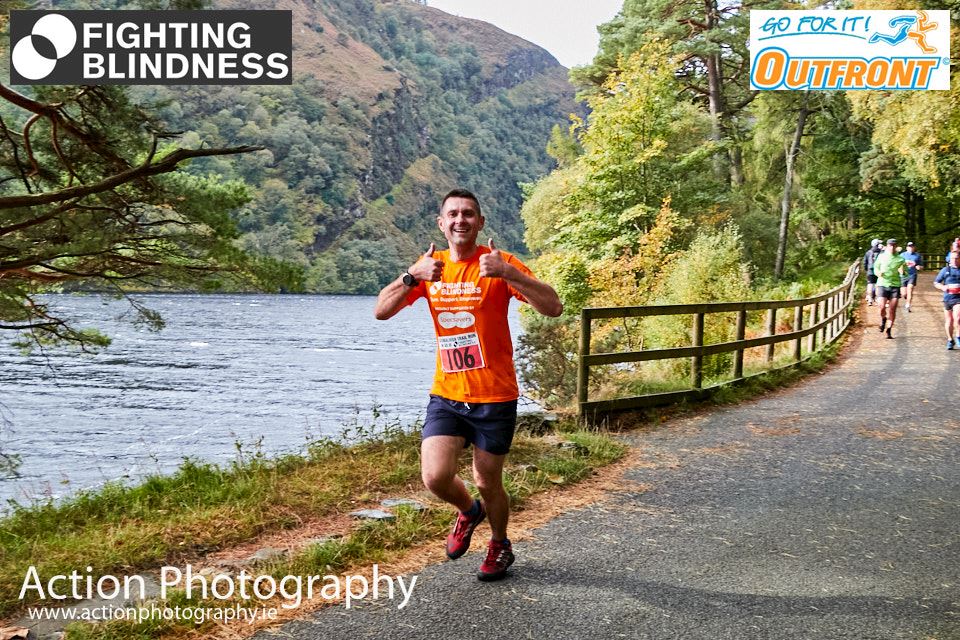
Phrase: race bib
(953, 289)
(460, 352)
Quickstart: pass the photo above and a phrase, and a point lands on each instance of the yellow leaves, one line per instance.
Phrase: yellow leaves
(911, 124)
(632, 277)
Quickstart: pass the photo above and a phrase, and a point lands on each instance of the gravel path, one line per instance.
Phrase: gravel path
(828, 510)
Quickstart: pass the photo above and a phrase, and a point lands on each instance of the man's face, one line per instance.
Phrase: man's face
(460, 221)
(954, 259)
(891, 247)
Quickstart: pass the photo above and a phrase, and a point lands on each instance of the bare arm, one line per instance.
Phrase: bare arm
(393, 296)
(540, 295)
(391, 299)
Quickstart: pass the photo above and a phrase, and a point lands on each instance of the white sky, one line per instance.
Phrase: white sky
(565, 28)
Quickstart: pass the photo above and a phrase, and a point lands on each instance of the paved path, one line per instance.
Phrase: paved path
(829, 510)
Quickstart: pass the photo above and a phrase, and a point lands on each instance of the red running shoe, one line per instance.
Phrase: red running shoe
(459, 539)
(499, 558)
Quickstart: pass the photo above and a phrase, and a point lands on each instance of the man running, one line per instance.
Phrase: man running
(868, 259)
(954, 246)
(474, 395)
(914, 264)
(889, 267)
(948, 281)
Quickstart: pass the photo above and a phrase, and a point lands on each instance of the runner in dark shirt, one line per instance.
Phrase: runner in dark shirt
(948, 281)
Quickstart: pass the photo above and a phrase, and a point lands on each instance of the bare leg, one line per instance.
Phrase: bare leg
(438, 467)
(892, 313)
(956, 321)
(488, 474)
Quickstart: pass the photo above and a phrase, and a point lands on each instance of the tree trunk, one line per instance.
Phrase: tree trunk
(909, 206)
(792, 153)
(736, 165)
(715, 91)
(922, 220)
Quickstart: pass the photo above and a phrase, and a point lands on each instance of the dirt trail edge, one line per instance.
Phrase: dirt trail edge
(828, 510)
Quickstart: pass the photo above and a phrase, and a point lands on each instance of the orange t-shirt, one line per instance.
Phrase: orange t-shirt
(474, 349)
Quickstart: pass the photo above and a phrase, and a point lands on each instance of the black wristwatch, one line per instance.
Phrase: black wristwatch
(409, 280)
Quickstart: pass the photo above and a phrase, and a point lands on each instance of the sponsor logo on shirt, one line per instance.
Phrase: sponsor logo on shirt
(461, 319)
(467, 288)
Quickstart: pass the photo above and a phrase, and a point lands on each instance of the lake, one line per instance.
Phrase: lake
(227, 369)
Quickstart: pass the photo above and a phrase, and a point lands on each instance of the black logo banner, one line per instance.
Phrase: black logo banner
(227, 47)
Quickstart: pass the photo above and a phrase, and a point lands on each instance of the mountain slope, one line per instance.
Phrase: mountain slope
(393, 104)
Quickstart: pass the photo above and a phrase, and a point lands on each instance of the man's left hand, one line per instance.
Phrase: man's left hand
(492, 265)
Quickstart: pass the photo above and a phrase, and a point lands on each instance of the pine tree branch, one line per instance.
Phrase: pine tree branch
(167, 164)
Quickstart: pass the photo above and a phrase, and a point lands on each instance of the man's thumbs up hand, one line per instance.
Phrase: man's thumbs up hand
(427, 267)
(492, 264)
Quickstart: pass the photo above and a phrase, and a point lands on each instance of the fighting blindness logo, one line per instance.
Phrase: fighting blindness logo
(151, 47)
(35, 56)
(849, 50)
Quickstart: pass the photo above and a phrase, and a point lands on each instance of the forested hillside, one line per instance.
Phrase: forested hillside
(393, 104)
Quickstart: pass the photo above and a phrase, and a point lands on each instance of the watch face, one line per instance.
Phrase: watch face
(409, 280)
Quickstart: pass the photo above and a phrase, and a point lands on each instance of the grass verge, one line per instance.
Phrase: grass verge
(203, 507)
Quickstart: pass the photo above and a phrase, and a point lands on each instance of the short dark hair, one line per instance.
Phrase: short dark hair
(460, 193)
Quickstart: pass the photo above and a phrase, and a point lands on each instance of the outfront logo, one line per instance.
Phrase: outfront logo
(908, 26)
(151, 47)
(849, 50)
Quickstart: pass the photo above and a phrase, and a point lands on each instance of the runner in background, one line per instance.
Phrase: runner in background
(914, 264)
(954, 246)
(948, 281)
(889, 267)
(868, 259)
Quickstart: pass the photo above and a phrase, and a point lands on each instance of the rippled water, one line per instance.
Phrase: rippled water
(226, 368)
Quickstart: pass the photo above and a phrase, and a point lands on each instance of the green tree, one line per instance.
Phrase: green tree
(709, 41)
(91, 195)
(641, 145)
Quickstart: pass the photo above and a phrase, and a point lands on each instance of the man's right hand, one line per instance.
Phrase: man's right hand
(427, 268)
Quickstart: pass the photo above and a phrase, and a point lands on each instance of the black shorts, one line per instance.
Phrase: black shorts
(949, 302)
(871, 279)
(909, 281)
(488, 425)
(889, 293)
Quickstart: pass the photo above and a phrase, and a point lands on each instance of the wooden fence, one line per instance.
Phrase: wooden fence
(828, 316)
(934, 261)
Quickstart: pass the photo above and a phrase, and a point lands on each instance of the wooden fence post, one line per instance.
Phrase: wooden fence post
(812, 338)
(797, 325)
(830, 325)
(741, 334)
(771, 330)
(583, 373)
(696, 362)
(838, 309)
(823, 316)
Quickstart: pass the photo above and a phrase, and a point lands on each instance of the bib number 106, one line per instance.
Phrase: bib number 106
(460, 353)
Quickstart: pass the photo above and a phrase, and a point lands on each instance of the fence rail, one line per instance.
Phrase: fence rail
(829, 316)
(934, 261)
